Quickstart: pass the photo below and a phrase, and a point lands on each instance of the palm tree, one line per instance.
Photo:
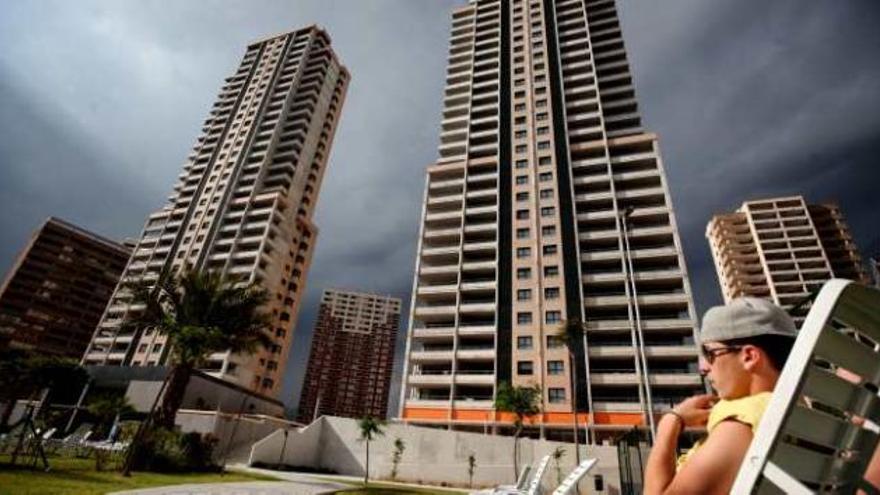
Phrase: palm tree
(522, 402)
(201, 313)
(572, 334)
(370, 429)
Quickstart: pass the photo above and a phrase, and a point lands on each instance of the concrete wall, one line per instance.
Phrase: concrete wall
(203, 393)
(235, 434)
(432, 456)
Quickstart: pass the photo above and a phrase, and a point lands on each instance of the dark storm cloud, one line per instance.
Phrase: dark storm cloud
(101, 100)
(754, 99)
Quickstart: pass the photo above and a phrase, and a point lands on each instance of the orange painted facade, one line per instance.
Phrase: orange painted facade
(551, 418)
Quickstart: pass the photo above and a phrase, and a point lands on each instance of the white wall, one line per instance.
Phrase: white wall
(431, 456)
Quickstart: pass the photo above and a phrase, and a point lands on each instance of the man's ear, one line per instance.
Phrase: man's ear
(750, 356)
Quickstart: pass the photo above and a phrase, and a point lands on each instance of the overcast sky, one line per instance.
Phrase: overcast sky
(100, 102)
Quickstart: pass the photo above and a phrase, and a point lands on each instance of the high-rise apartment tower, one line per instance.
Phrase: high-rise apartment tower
(57, 289)
(782, 249)
(244, 202)
(349, 370)
(548, 203)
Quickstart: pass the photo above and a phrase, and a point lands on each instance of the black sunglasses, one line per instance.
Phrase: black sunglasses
(710, 354)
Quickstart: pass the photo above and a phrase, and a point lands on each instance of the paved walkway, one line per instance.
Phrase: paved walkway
(290, 483)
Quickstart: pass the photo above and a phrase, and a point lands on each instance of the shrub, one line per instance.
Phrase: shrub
(164, 450)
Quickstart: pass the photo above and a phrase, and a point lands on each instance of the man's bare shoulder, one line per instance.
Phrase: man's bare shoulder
(713, 468)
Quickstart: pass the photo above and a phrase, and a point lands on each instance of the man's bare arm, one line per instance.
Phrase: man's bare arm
(661, 462)
(693, 411)
(714, 467)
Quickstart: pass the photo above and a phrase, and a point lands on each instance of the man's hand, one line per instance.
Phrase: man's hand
(695, 410)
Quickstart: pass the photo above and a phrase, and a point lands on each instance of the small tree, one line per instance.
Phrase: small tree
(472, 466)
(557, 455)
(370, 428)
(107, 408)
(522, 402)
(399, 447)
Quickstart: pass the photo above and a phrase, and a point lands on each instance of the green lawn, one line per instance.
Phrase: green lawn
(78, 477)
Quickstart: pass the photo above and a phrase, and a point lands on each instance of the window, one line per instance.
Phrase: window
(545, 176)
(523, 318)
(523, 342)
(551, 293)
(523, 273)
(522, 164)
(519, 107)
(546, 193)
(522, 233)
(157, 347)
(552, 317)
(523, 294)
(522, 196)
(555, 367)
(523, 252)
(551, 271)
(521, 148)
(548, 211)
(522, 179)
(544, 145)
(550, 250)
(520, 134)
(544, 160)
(524, 367)
(556, 395)
(548, 230)
(142, 348)
(543, 130)
(554, 342)
(522, 214)
(541, 116)
(540, 103)
(519, 120)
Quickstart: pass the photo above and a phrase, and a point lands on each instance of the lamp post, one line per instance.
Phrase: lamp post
(636, 325)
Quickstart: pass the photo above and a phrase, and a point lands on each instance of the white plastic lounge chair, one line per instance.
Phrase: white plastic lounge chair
(570, 482)
(529, 481)
(535, 483)
(820, 430)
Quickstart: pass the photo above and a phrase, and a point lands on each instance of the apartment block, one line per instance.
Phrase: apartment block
(782, 249)
(57, 289)
(243, 204)
(349, 369)
(548, 202)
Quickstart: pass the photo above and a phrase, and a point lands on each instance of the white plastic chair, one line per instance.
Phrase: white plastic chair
(573, 478)
(820, 430)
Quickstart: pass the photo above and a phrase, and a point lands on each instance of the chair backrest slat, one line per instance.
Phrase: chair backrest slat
(844, 351)
(817, 427)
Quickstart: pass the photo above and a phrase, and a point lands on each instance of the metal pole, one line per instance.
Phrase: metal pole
(629, 308)
(232, 433)
(638, 328)
(82, 397)
(283, 448)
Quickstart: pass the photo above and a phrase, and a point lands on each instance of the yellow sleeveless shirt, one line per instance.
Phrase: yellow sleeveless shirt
(746, 410)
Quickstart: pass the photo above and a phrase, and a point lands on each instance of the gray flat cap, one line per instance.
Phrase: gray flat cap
(746, 317)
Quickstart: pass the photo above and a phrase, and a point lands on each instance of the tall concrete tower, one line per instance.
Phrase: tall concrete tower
(244, 202)
(548, 202)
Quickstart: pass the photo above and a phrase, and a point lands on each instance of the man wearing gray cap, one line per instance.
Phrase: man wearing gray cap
(744, 346)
